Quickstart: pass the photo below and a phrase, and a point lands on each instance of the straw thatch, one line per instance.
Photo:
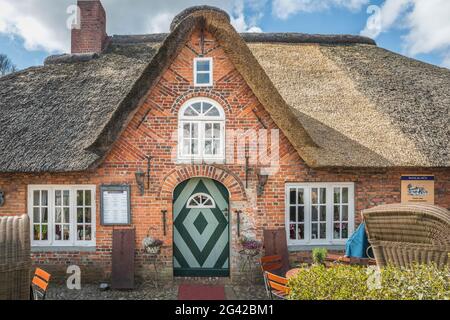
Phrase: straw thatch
(15, 261)
(340, 100)
(402, 234)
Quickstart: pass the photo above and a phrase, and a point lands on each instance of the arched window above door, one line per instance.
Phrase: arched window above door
(201, 131)
(200, 200)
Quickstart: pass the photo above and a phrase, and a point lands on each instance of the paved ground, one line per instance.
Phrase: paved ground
(148, 292)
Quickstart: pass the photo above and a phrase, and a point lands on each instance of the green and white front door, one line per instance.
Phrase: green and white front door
(201, 229)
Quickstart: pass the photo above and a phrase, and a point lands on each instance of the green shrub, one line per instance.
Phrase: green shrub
(343, 282)
(319, 255)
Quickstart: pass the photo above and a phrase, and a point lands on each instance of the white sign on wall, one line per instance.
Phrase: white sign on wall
(115, 205)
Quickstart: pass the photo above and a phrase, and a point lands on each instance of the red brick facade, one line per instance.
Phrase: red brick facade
(155, 137)
(91, 35)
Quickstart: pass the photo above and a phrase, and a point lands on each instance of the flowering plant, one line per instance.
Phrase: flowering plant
(150, 242)
(250, 244)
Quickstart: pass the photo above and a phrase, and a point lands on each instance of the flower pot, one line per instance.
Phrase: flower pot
(251, 252)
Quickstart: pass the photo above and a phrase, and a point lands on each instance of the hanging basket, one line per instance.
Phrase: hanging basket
(153, 250)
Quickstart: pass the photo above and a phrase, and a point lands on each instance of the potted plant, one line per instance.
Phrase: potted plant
(250, 246)
(152, 245)
(319, 255)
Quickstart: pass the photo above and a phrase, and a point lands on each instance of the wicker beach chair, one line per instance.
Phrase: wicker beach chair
(15, 261)
(402, 234)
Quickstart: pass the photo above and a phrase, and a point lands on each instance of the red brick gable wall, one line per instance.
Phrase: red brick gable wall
(151, 131)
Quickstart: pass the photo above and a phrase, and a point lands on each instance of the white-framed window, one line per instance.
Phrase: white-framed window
(201, 131)
(203, 72)
(319, 213)
(62, 215)
(200, 201)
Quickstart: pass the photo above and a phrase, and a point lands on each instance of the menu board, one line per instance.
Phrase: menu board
(418, 189)
(115, 205)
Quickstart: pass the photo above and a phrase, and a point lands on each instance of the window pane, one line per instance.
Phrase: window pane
(66, 198)
(314, 213)
(88, 233)
(292, 195)
(216, 130)
(203, 65)
(203, 78)
(36, 215)
(87, 197)
(344, 230)
(194, 146)
(208, 147)
(80, 198)
(216, 147)
(37, 232)
(58, 215)
(80, 233)
(44, 230)
(314, 195)
(323, 195)
(336, 216)
(292, 214)
(58, 232)
(292, 232)
(66, 233)
(301, 214)
(344, 213)
(36, 198)
(194, 133)
(58, 200)
(323, 231)
(337, 231)
(66, 215)
(44, 199)
(197, 107)
(323, 213)
(301, 231)
(314, 231)
(301, 196)
(88, 215)
(344, 195)
(208, 130)
(337, 195)
(213, 112)
(44, 215)
(190, 112)
(80, 215)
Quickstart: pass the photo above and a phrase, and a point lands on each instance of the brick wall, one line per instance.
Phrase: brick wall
(91, 36)
(155, 137)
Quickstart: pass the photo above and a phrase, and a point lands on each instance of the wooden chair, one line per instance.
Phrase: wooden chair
(39, 284)
(273, 264)
(277, 286)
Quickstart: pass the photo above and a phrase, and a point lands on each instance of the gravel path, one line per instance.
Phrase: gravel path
(147, 292)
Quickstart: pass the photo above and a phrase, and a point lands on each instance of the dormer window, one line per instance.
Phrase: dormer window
(203, 72)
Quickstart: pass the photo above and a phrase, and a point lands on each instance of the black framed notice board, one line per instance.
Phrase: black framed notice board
(115, 205)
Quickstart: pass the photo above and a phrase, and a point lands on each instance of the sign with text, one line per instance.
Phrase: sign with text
(418, 189)
(115, 205)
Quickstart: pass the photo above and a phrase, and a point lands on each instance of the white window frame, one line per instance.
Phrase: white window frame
(210, 72)
(73, 215)
(201, 122)
(201, 206)
(330, 207)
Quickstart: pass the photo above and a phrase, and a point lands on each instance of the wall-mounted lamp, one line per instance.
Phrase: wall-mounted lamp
(140, 176)
(262, 181)
(140, 180)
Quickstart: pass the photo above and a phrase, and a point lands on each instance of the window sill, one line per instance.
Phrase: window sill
(309, 247)
(63, 249)
(200, 161)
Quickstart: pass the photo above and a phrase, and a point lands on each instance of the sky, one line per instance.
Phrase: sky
(30, 30)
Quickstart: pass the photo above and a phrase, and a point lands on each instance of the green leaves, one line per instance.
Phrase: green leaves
(341, 282)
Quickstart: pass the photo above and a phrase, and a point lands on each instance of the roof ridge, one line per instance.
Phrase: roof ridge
(278, 37)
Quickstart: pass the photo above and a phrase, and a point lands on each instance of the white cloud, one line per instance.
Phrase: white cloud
(285, 8)
(427, 25)
(42, 23)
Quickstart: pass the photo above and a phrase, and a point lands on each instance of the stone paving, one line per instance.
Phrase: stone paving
(148, 291)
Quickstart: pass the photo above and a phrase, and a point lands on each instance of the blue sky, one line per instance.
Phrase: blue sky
(30, 30)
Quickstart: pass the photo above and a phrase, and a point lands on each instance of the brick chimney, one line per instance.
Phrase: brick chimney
(91, 37)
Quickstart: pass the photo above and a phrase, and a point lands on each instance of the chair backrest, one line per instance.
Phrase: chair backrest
(271, 263)
(277, 283)
(40, 282)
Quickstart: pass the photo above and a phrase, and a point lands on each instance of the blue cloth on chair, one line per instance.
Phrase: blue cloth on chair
(358, 243)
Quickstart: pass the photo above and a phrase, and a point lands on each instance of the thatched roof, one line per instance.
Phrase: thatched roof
(340, 100)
